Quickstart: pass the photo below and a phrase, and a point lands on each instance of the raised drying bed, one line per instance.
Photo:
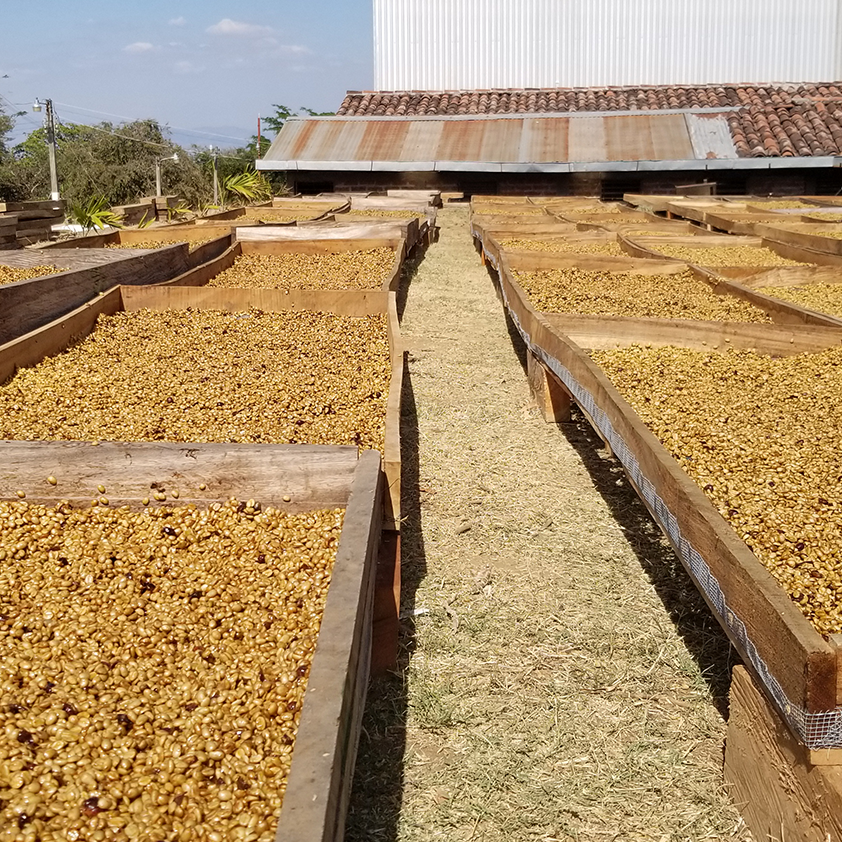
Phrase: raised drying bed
(740, 222)
(774, 310)
(799, 669)
(816, 288)
(286, 248)
(712, 251)
(153, 237)
(779, 312)
(535, 260)
(31, 349)
(825, 238)
(27, 305)
(295, 479)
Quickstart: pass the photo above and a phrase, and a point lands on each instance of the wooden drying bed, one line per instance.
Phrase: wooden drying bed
(51, 339)
(319, 781)
(639, 246)
(175, 233)
(811, 241)
(27, 305)
(781, 312)
(203, 274)
(791, 659)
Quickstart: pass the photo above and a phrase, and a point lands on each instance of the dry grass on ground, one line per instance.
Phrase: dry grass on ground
(561, 677)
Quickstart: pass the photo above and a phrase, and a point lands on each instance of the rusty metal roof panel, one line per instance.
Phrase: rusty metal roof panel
(581, 141)
(586, 139)
(502, 143)
(380, 141)
(543, 140)
(461, 140)
(422, 140)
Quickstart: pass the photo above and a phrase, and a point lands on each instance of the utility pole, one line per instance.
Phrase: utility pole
(173, 157)
(50, 125)
(258, 136)
(215, 177)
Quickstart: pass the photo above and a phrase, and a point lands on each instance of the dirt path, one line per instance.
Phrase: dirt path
(561, 677)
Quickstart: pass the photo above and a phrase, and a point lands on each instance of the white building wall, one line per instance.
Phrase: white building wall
(472, 44)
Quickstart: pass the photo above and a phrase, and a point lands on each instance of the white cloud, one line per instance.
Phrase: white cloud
(295, 49)
(186, 67)
(139, 47)
(235, 27)
(179, 21)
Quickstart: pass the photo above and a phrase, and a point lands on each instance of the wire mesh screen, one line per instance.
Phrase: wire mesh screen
(814, 730)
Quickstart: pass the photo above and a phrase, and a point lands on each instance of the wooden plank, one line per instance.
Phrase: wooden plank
(27, 305)
(835, 640)
(517, 229)
(233, 300)
(799, 658)
(207, 271)
(531, 261)
(694, 210)
(173, 234)
(792, 276)
(607, 332)
(392, 444)
(781, 795)
(332, 246)
(312, 476)
(552, 398)
(393, 282)
(387, 603)
(329, 231)
(217, 216)
(803, 254)
(735, 222)
(802, 239)
(85, 241)
(54, 337)
(781, 312)
(209, 251)
(691, 241)
(319, 783)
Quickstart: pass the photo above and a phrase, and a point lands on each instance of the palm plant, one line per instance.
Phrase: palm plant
(92, 213)
(248, 186)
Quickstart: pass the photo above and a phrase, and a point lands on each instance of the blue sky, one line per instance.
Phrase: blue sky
(197, 65)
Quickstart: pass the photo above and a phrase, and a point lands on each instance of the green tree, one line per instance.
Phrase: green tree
(282, 113)
(276, 122)
(113, 161)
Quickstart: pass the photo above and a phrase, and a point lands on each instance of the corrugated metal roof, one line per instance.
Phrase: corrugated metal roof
(765, 121)
(527, 140)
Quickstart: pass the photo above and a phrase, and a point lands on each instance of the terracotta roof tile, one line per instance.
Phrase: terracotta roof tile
(772, 120)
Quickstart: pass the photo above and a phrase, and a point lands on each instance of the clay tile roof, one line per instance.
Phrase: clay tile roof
(769, 120)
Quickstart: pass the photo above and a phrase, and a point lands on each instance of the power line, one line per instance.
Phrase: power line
(129, 119)
(117, 134)
(167, 146)
(147, 142)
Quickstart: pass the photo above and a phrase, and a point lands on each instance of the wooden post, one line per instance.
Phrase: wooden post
(387, 599)
(781, 794)
(550, 394)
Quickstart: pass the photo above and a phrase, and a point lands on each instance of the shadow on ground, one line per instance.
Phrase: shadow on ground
(377, 792)
(690, 614)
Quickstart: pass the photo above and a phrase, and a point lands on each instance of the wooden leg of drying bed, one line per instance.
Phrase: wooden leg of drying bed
(387, 596)
(780, 793)
(552, 398)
